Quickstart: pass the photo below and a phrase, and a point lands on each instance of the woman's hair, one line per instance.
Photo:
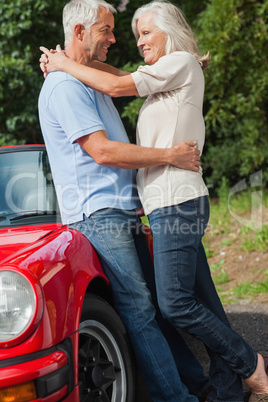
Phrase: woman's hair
(170, 20)
(85, 12)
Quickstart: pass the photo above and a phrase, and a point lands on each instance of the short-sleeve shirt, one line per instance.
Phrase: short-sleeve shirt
(171, 114)
(69, 110)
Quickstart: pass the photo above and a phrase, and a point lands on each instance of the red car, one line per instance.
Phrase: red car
(60, 338)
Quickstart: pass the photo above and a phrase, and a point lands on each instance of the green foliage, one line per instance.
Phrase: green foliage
(221, 277)
(24, 26)
(254, 240)
(234, 238)
(236, 98)
(220, 218)
(235, 33)
(247, 289)
(132, 109)
(217, 266)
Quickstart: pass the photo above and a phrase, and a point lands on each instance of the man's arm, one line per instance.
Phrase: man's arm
(130, 156)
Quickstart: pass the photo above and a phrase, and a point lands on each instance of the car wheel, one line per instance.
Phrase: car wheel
(107, 369)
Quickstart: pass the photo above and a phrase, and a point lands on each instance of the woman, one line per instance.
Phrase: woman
(176, 201)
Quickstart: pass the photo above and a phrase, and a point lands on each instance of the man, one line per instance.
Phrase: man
(92, 164)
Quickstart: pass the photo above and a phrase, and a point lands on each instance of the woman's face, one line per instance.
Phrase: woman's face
(152, 41)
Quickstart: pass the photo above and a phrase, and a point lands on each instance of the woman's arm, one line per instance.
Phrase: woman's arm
(100, 76)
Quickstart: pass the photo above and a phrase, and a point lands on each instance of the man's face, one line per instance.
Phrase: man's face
(101, 37)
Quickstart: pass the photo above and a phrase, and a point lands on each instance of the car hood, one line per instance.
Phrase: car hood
(15, 239)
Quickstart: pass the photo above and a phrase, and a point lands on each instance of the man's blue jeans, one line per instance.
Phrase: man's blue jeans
(117, 237)
(188, 299)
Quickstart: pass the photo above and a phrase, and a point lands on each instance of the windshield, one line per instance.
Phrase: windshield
(26, 185)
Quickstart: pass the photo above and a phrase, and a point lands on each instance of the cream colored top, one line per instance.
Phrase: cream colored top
(171, 114)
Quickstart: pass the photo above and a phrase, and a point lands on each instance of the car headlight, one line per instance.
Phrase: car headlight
(20, 310)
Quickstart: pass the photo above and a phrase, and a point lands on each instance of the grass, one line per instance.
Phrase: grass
(221, 277)
(254, 240)
(246, 290)
(246, 209)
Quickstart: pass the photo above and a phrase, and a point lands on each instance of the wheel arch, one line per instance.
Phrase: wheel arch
(99, 287)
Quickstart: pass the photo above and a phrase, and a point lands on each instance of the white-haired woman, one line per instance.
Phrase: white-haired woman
(175, 200)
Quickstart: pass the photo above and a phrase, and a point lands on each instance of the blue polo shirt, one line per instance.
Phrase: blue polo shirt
(68, 110)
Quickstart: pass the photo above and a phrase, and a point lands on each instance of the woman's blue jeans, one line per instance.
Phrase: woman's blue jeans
(188, 299)
(121, 245)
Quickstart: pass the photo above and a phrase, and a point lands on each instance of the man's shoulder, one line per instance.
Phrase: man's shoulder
(60, 82)
(58, 77)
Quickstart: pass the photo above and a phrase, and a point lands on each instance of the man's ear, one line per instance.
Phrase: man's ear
(79, 31)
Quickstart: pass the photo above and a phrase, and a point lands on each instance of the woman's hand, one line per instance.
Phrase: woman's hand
(52, 60)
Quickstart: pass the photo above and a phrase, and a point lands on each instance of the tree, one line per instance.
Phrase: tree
(24, 26)
(236, 98)
(236, 101)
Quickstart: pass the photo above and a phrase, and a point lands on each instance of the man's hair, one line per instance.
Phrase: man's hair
(170, 20)
(85, 12)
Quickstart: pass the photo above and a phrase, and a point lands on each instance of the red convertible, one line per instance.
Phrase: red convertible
(60, 338)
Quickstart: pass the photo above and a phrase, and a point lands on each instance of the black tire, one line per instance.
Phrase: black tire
(107, 368)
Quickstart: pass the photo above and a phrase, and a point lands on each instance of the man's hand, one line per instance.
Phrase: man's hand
(186, 156)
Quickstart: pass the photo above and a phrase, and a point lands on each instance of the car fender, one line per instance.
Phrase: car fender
(65, 263)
